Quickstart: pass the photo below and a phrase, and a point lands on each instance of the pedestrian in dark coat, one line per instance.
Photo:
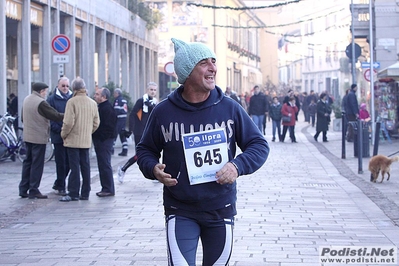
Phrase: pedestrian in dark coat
(323, 117)
(121, 110)
(275, 114)
(258, 107)
(103, 140)
(344, 103)
(58, 101)
(352, 110)
(312, 109)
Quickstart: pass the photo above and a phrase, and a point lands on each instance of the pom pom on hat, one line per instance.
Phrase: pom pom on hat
(38, 86)
(187, 56)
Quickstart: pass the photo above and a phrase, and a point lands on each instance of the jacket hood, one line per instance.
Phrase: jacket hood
(58, 92)
(176, 98)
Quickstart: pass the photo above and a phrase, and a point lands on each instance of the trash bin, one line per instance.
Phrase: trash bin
(365, 142)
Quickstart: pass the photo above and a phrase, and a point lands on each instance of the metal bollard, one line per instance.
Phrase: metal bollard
(344, 127)
(376, 138)
(360, 147)
(376, 142)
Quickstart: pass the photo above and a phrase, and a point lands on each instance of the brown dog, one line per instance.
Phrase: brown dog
(381, 163)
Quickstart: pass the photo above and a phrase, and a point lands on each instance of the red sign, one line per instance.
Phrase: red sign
(169, 68)
(61, 44)
(367, 74)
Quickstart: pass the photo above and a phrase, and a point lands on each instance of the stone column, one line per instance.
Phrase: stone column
(87, 57)
(132, 70)
(70, 68)
(45, 48)
(3, 65)
(24, 54)
(125, 65)
(101, 44)
(141, 68)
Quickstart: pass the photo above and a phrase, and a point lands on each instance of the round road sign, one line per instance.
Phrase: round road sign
(169, 68)
(367, 74)
(61, 44)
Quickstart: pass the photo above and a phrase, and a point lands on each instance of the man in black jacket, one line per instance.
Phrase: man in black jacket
(258, 108)
(352, 110)
(103, 140)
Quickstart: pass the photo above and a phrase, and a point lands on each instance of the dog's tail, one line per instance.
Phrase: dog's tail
(394, 159)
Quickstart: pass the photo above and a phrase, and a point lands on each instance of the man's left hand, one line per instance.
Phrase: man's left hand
(227, 175)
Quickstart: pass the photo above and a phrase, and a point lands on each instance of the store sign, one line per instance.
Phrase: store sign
(386, 42)
(393, 72)
(36, 15)
(14, 11)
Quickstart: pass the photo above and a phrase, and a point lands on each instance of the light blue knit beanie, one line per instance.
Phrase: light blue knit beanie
(187, 56)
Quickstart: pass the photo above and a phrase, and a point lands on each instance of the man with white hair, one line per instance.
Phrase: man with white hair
(81, 120)
(58, 101)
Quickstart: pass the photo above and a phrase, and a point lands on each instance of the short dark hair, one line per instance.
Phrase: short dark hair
(353, 86)
(323, 95)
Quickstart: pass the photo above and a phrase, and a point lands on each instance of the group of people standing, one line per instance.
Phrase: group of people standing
(76, 122)
(286, 114)
(317, 111)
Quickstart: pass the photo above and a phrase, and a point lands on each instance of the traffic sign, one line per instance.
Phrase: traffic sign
(348, 51)
(60, 70)
(367, 65)
(58, 59)
(169, 68)
(367, 74)
(61, 44)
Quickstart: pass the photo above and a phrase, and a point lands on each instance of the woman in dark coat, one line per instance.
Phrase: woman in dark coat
(289, 109)
(323, 117)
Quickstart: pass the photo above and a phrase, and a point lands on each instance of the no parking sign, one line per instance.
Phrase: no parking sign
(61, 44)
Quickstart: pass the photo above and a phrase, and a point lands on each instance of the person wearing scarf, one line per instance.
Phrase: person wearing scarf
(137, 121)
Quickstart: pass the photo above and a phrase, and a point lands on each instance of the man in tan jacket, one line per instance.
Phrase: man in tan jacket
(80, 121)
(36, 116)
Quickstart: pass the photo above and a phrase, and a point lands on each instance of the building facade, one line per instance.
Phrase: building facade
(312, 51)
(385, 22)
(107, 43)
(234, 35)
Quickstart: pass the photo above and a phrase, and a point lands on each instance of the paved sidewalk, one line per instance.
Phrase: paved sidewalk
(304, 197)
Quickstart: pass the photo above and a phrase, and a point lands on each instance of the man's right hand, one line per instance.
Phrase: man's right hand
(163, 177)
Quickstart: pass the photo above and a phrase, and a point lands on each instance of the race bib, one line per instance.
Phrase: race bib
(205, 153)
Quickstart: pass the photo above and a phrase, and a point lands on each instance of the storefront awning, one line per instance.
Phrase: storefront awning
(391, 72)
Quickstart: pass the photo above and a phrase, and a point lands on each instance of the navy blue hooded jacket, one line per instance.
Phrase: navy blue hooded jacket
(173, 117)
(58, 102)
